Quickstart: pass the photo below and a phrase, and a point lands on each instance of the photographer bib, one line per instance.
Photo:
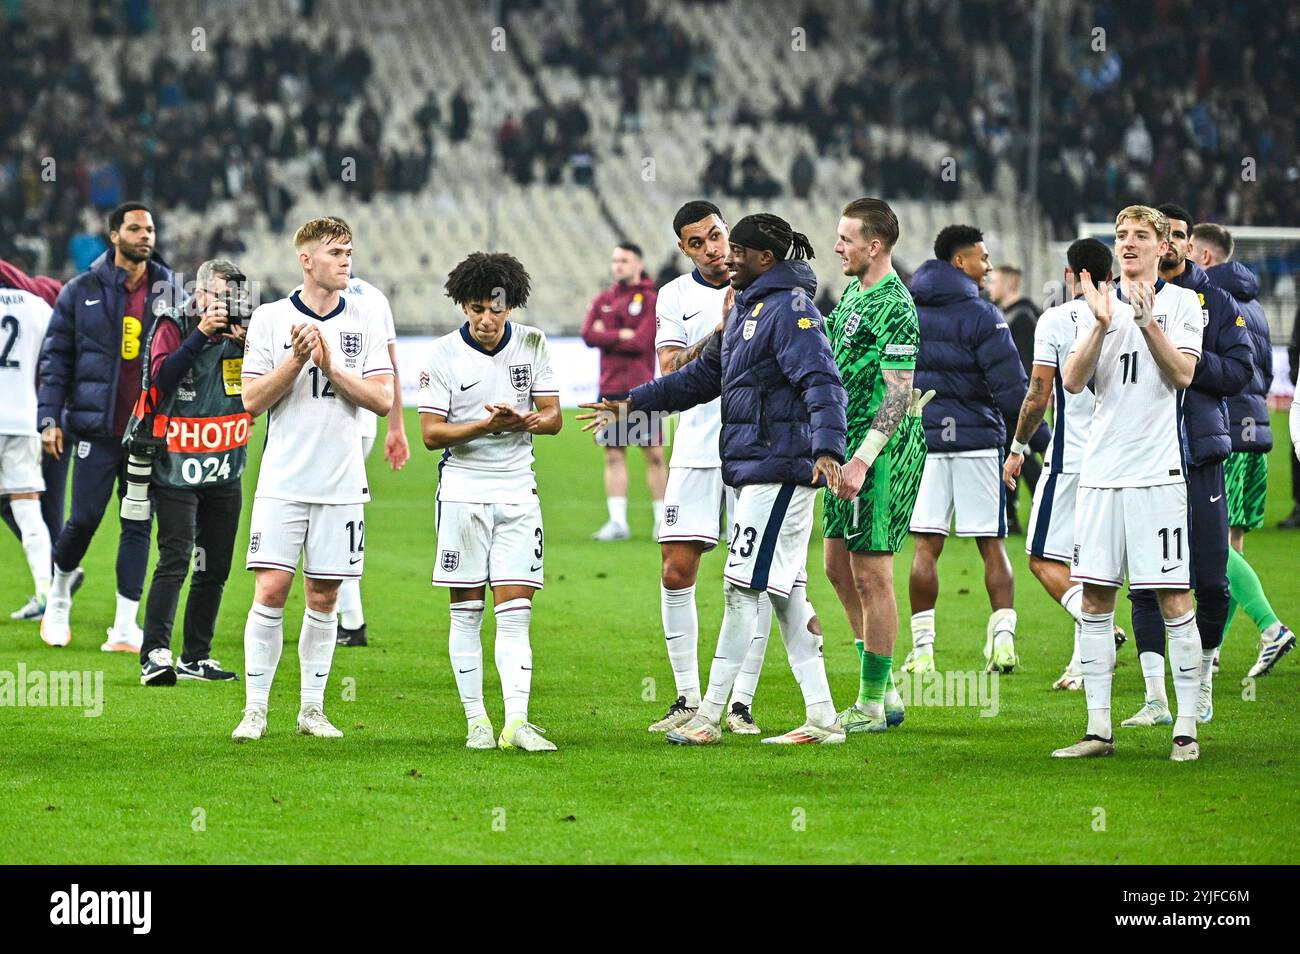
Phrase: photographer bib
(202, 423)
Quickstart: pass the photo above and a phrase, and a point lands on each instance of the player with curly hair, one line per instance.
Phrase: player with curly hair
(486, 390)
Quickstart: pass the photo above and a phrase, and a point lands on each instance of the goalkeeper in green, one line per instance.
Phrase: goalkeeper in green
(875, 336)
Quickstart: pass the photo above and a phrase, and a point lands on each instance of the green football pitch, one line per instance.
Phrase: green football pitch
(155, 777)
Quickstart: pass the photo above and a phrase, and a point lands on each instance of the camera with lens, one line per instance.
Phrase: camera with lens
(235, 298)
(143, 449)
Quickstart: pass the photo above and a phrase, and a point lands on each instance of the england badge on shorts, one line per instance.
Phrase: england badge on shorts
(254, 542)
(670, 515)
(450, 560)
(747, 330)
(521, 376)
(350, 342)
(83, 449)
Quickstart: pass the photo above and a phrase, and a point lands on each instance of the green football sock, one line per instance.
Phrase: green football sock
(1247, 592)
(875, 674)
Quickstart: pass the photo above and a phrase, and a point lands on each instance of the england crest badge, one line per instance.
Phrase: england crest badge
(350, 342)
(254, 542)
(747, 330)
(851, 325)
(521, 376)
(450, 560)
(670, 515)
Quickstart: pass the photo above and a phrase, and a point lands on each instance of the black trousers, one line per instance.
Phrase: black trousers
(1207, 538)
(203, 522)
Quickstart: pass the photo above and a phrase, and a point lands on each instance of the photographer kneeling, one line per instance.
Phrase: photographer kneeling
(190, 424)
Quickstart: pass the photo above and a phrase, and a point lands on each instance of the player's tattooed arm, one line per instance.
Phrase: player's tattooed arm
(898, 394)
(684, 356)
(1034, 407)
(1032, 410)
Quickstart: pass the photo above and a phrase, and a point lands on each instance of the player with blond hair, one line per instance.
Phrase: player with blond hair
(313, 359)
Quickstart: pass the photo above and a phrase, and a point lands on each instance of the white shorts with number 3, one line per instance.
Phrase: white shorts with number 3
(481, 543)
(330, 538)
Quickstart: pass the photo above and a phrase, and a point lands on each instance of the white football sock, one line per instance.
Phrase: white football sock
(923, 629)
(36, 544)
(316, 642)
(747, 679)
(1153, 674)
(658, 507)
(1074, 657)
(681, 637)
(617, 510)
(738, 622)
(349, 605)
(465, 646)
(61, 583)
(124, 620)
(514, 656)
(263, 641)
(1185, 666)
(803, 647)
(1002, 622)
(1097, 649)
(1072, 601)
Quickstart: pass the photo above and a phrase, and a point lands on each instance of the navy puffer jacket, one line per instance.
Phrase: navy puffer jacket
(1225, 368)
(970, 361)
(783, 403)
(81, 356)
(1248, 409)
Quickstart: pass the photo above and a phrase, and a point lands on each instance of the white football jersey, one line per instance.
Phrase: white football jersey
(1135, 439)
(687, 310)
(1053, 341)
(23, 320)
(313, 440)
(459, 379)
(370, 296)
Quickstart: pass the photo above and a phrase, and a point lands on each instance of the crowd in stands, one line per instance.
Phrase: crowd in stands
(1163, 101)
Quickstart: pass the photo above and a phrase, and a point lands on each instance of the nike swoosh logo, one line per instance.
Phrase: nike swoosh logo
(466, 387)
(854, 536)
(536, 568)
(321, 675)
(690, 316)
(1085, 662)
(254, 675)
(463, 671)
(354, 561)
(670, 638)
(95, 302)
(1188, 668)
(1216, 499)
(730, 565)
(526, 668)
(1170, 569)
(287, 347)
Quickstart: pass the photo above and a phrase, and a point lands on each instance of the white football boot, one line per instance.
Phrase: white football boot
(519, 734)
(612, 531)
(312, 721)
(481, 735)
(251, 726)
(1153, 712)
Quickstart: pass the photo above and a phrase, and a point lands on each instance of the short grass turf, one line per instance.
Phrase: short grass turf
(156, 778)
